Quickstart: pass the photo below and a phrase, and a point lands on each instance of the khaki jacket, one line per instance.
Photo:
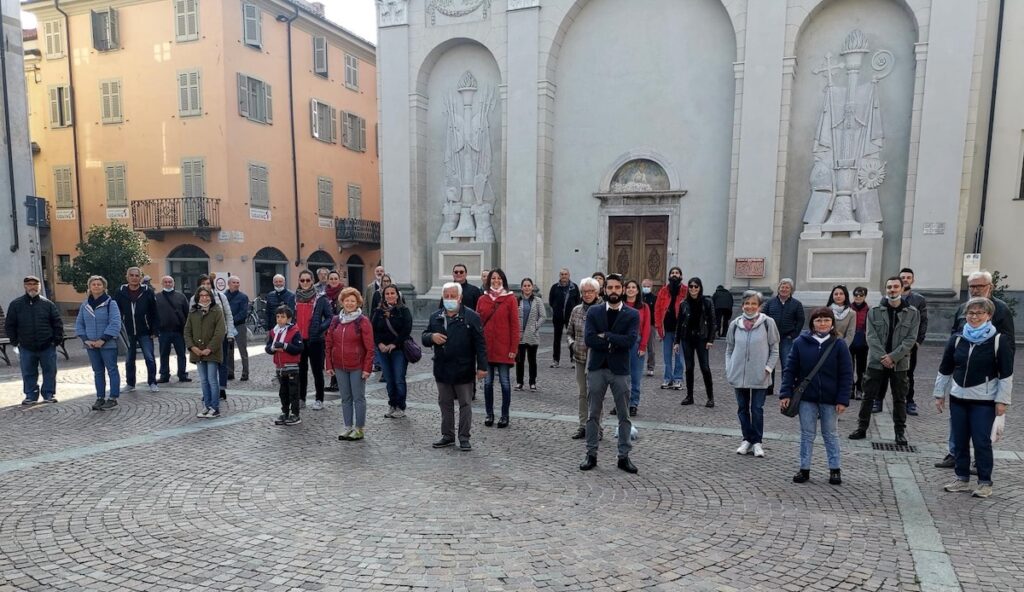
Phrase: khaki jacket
(904, 337)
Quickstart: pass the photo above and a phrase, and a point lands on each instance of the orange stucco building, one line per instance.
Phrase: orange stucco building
(199, 124)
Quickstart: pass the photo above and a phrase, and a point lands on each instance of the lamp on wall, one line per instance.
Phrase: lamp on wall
(219, 256)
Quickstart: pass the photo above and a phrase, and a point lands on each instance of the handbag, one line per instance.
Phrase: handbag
(410, 348)
(794, 400)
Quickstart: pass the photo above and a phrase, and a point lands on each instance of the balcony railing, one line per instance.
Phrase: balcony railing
(357, 231)
(156, 217)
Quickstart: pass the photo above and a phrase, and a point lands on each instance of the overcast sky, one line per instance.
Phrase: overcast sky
(357, 16)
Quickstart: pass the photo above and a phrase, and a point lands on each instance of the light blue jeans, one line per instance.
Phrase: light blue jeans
(636, 374)
(810, 413)
(209, 380)
(104, 364)
(673, 360)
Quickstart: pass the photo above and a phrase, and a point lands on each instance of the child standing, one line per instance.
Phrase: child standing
(284, 342)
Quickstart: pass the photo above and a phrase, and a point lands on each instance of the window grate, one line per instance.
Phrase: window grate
(887, 447)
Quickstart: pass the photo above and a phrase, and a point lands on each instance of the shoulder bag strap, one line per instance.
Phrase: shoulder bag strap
(821, 362)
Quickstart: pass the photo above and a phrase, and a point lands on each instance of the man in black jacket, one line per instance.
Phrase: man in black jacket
(650, 298)
(460, 358)
(470, 293)
(788, 314)
(610, 331)
(33, 325)
(275, 298)
(140, 325)
(563, 297)
(171, 312)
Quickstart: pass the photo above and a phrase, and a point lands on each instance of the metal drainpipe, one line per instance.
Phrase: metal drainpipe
(979, 234)
(16, 244)
(291, 118)
(74, 119)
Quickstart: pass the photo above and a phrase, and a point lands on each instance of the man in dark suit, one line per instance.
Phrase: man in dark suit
(611, 330)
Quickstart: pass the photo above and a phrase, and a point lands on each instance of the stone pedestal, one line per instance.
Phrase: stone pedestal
(475, 256)
(823, 263)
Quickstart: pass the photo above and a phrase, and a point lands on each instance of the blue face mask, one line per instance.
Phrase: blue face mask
(646, 289)
(451, 305)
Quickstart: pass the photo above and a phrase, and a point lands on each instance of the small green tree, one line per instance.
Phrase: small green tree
(107, 251)
(999, 288)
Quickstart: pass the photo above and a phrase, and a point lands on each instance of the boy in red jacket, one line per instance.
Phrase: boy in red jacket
(284, 342)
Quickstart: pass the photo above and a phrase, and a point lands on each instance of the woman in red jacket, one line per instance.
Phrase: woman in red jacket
(499, 312)
(349, 353)
(639, 349)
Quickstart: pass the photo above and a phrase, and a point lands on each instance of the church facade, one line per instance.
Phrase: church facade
(831, 141)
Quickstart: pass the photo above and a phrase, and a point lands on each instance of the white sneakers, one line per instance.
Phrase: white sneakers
(747, 447)
(398, 413)
(316, 405)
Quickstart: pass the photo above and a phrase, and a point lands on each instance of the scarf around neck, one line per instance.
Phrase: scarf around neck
(840, 312)
(979, 335)
(348, 317)
(305, 295)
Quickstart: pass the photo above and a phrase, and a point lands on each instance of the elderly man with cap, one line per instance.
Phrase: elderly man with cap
(33, 325)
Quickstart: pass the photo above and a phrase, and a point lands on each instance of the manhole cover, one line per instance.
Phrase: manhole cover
(893, 447)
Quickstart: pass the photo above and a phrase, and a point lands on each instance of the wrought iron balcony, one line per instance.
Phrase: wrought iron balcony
(156, 217)
(353, 231)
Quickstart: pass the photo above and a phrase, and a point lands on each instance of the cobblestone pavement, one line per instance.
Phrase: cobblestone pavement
(146, 497)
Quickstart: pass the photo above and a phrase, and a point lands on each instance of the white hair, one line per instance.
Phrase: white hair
(980, 275)
(589, 282)
(788, 281)
(279, 276)
(452, 285)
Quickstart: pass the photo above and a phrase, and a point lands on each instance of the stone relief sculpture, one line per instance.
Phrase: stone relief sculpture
(639, 176)
(456, 9)
(468, 195)
(392, 12)
(848, 168)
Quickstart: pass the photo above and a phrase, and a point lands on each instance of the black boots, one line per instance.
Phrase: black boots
(901, 439)
(589, 463)
(834, 477)
(802, 476)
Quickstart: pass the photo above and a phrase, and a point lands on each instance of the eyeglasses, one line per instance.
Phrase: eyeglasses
(458, 273)
(694, 286)
(975, 313)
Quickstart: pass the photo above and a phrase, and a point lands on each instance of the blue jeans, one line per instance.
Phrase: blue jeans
(167, 341)
(104, 364)
(31, 362)
(636, 373)
(972, 424)
(673, 360)
(809, 415)
(750, 411)
(394, 366)
(785, 344)
(502, 371)
(208, 372)
(145, 342)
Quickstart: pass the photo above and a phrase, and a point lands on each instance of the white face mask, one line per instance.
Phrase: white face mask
(894, 298)
(451, 305)
(646, 289)
(279, 290)
(168, 289)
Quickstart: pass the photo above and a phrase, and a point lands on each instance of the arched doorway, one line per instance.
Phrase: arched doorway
(355, 271)
(318, 259)
(267, 263)
(185, 264)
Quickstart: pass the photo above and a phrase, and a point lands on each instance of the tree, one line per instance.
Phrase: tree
(999, 287)
(107, 251)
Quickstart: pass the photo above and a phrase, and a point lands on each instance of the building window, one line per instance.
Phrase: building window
(117, 194)
(320, 56)
(60, 106)
(62, 260)
(104, 30)
(323, 121)
(259, 190)
(53, 31)
(254, 99)
(252, 25)
(62, 187)
(193, 177)
(353, 133)
(325, 197)
(111, 109)
(355, 201)
(189, 94)
(186, 20)
(352, 72)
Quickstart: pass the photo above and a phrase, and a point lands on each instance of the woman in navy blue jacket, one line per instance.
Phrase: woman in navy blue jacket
(828, 393)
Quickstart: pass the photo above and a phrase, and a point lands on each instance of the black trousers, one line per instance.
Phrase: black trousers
(288, 391)
(556, 347)
(312, 355)
(910, 378)
(527, 353)
(860, 362)
(724, 316)
(690, 347)
(875, 381)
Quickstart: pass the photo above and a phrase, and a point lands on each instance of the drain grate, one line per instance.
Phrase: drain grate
(893, 447)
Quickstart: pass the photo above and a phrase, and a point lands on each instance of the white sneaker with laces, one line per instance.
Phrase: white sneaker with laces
(744, 447)
(204, 413)
(316, 405)
(153, 388)
(389, 413)
(983, 491)
(958, 486)
(398, 413)
(758, 451)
